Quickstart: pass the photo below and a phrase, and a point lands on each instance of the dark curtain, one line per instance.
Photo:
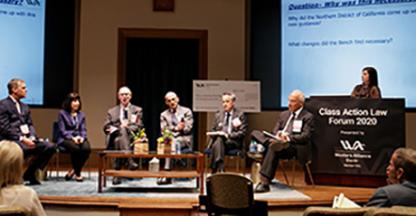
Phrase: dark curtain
(59, 52)
(156, 66)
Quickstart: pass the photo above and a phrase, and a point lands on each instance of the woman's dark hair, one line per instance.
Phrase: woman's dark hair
(73, 96)
(372, 76)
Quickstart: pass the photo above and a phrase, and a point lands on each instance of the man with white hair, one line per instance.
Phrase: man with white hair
(293, 132)
(121, 121)
(178, 120)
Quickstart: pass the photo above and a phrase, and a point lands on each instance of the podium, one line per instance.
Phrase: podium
(354, 139)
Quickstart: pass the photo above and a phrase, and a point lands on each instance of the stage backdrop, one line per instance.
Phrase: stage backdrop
(355, 136)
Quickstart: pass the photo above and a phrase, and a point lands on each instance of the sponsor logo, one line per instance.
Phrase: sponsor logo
(357, 145)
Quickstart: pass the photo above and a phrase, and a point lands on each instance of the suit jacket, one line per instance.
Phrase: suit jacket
(113, 119)
(403, 194)
(237, 133)
(11, 120)
(68, 128)
(300, 140)
(182, 114)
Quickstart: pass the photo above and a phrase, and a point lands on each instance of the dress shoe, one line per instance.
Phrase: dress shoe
(133, 165)
(33, 182)
(79, 178)
(69, 175)
(164, 181)
(262, 188)
(31, 179)
(116, 181)
(216, 170)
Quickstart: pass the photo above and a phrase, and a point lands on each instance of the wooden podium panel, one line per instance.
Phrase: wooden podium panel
(354, 139)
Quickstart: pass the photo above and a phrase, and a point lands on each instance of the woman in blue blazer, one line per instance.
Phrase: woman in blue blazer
(72, 134)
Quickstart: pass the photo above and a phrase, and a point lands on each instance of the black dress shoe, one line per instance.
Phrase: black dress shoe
(262, 188)
(133, 165)
(33, 182)
(79, 178)
(68, 177)
(31, 179)
(164, 181)
(116, 181)
(214, 170)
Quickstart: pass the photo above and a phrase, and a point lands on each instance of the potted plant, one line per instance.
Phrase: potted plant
(164, 142)
(140, 142)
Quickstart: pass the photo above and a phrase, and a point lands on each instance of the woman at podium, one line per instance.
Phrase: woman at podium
(369, 88)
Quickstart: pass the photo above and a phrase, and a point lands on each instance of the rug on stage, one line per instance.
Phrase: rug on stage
(146, 187)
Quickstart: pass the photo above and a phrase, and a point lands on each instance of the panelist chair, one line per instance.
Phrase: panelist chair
(303, 159)
(238, 155)
(231, 193)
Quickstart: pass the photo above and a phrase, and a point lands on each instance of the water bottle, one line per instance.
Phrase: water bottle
(173, 147)
(260, 148)
(154, 165)
(253, 146)
(178, 147)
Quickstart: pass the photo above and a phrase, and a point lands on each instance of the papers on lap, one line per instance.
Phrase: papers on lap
(341, 201)
(272, 136)
(216, 133)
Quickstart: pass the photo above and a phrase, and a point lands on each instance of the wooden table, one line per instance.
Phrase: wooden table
(104, 171)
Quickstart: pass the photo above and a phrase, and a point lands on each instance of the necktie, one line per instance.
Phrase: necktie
(174, 119)
(226, 127)
(125, 114)
(289, 124)
(18, 107)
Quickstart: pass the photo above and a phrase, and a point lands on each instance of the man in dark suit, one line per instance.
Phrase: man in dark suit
(121, 121)
(401, 177)
(292, 135)
(16, 125)
(231, 125)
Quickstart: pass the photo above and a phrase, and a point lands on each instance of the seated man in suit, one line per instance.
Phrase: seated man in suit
(121, 121)
(232, 124)
(179, 120)
(293, 132)
(16, 125)
(401, 177)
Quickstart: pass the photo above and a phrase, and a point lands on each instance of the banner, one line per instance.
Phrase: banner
(355, 136)
(207, 95)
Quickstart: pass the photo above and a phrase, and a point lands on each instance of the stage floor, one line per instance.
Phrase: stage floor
(319, 195)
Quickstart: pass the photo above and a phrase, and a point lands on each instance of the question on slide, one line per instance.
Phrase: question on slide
(315, 20)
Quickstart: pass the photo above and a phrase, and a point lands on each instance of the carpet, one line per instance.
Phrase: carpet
(146, 187)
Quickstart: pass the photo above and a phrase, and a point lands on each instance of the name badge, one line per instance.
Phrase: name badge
(24, 129)
(133, 117)
(297, 126)
(236, 122)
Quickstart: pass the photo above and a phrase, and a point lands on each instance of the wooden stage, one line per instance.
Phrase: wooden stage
(124, 206)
